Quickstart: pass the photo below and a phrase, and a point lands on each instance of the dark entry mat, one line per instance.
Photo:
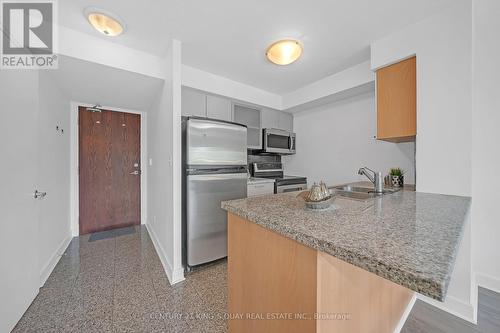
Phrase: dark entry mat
(111, 233)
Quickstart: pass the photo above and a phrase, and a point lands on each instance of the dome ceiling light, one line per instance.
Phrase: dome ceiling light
(284, 52)
(104, 22)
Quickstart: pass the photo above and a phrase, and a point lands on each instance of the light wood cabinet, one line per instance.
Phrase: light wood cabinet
(270, 274)
(397, 102)
(219, 108)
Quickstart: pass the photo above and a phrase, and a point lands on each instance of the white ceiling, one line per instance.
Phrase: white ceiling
(87, 82)
(229, 37)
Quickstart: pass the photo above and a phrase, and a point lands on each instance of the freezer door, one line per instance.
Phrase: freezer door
(206, 222)
(214, 143)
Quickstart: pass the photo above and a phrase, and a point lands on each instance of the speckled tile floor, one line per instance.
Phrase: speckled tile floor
(119, 285)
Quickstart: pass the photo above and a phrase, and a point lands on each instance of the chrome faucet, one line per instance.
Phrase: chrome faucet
(374, 177)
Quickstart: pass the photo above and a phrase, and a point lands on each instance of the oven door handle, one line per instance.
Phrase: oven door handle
(286, 188)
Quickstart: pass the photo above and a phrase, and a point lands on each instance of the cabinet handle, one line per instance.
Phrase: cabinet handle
(257, 185)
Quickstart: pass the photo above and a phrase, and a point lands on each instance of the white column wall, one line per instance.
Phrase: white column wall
(485, 139)
(164, 163)
(443, 46)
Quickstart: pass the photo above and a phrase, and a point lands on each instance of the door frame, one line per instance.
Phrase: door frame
(75, 191)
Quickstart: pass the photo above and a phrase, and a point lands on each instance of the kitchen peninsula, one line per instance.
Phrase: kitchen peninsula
(352, 268)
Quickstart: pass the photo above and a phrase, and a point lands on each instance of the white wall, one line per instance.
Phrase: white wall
(442, 44)
(90, 82)
(54, 168)
(348, 79)
(485, 142)
(34, 232)
(105, 52)
(332, 87)
(335, 140)
(164, 219)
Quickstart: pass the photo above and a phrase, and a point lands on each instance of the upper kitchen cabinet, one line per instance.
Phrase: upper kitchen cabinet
(277, 119)
(219, 108)
(270, 118)
(250, 117)
(197, 103)
(397, 102)
(194, 103)
(286, 121)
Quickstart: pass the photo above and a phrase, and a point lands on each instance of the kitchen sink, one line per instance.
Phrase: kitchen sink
(349, 188)
(358, 193)
(362, 196)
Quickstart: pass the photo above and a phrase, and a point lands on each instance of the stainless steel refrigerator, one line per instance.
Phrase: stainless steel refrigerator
(215, 169)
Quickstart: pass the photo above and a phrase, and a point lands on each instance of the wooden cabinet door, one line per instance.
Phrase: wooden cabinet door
(397, 101)
(194, 103)
(219, 108)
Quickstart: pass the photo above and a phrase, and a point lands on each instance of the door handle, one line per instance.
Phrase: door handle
(39, 195)
(136, 172)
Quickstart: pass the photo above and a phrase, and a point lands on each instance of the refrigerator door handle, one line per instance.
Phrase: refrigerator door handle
(218, 176)
(217, 171)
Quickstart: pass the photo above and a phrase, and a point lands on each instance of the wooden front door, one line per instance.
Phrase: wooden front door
(109, 170)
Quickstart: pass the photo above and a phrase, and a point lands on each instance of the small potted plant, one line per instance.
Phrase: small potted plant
(397, 177)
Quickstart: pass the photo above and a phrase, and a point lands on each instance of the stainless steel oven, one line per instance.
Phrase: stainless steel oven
(278, 141)
(282, 183)
(291, 188)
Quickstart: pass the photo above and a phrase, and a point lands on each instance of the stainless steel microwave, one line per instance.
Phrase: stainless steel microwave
(278, 141)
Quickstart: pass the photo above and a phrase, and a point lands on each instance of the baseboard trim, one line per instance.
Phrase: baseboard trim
(177, 275)
(453, 306)
(406, 314)
(173, 276)
(488, 282)
(54, 259)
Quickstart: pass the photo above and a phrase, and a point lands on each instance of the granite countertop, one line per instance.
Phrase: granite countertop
(407, 237)
(257, 180)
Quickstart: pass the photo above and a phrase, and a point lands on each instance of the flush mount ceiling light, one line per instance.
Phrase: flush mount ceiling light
(104, 22)
(284, 52)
